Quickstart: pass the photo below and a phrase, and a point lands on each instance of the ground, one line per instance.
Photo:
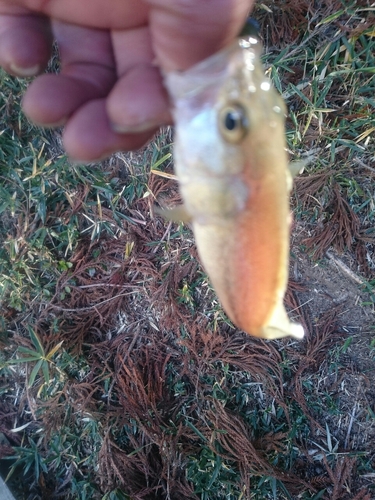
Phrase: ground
(121, 376)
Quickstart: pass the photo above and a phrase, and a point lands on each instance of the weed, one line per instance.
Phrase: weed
(43, 361)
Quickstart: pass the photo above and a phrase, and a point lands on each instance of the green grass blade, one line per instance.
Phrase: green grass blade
(34, 372)
(36, 341)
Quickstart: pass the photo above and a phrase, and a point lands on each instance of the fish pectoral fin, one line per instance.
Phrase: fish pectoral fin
(280, 326)
(297, 167)
(175, 214)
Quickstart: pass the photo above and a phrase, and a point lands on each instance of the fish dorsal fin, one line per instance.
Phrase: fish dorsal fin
(175, 214)
(296, 167)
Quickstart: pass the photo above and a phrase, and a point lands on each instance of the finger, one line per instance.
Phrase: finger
(88, 136)
(138, 101)
(25, 44)
(51, 99)
(87, 72)
(189, 31)
(117, 15)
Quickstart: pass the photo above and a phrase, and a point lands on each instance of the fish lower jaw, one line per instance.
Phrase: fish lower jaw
(275, 332)
(277, 326)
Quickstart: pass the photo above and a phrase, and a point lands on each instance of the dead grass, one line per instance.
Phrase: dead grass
(153, 393)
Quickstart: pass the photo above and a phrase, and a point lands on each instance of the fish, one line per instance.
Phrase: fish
(231, 163)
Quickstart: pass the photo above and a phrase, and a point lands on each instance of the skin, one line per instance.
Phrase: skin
(236, 184)
(109, 94)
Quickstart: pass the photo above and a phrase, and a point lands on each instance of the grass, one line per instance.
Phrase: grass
(120, 376)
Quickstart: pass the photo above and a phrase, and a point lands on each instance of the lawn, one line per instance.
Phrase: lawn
(121, 376)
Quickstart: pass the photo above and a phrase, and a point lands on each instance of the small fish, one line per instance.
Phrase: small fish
(232, 167)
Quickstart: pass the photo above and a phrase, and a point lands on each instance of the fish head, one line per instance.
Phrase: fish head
(225, 107)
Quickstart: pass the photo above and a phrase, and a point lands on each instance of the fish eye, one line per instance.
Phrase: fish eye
(233, 123)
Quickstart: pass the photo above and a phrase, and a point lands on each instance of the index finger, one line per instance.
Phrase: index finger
(108, 14)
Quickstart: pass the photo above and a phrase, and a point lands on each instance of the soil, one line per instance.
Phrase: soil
(340, 371)
(334, 283)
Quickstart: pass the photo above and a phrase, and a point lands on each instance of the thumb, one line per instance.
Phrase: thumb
(186, 31)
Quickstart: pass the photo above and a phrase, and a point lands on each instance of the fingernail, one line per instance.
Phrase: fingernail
(50, 125)
(55, 125)
(135, 128)
(77, 162)
(25, 72)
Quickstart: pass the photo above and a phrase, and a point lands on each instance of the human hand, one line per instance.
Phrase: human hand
(109, 93)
